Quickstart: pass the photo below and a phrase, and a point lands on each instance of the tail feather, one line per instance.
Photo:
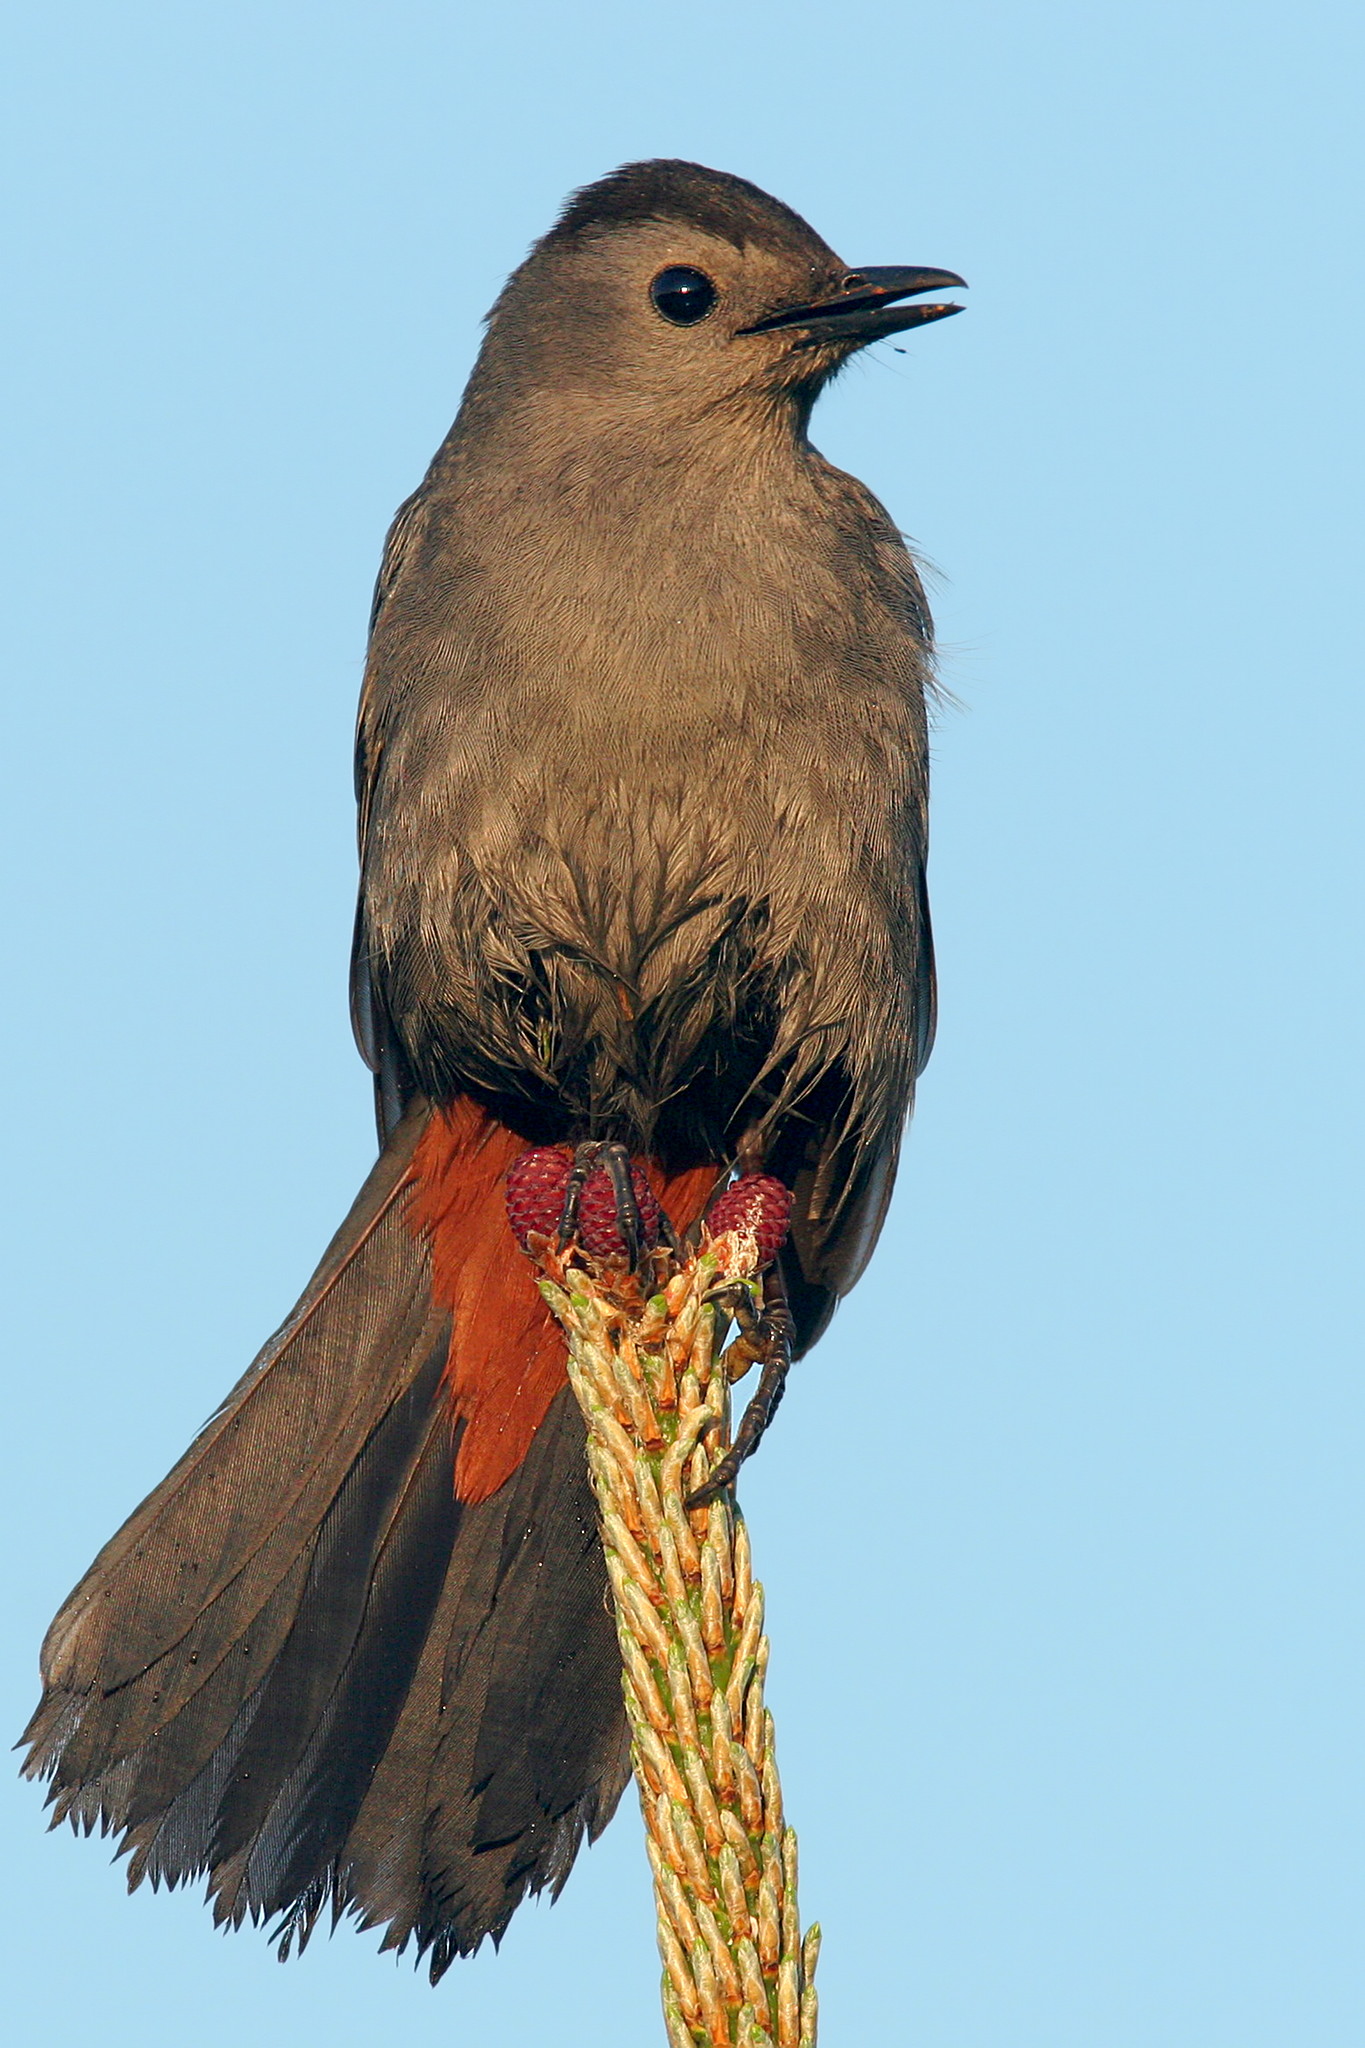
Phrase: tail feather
(328, 1705)
(197, 1564)
(523, 1616)
(313, 1666)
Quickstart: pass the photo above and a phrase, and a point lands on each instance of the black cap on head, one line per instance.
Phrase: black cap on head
(670, 188)
(666, 249)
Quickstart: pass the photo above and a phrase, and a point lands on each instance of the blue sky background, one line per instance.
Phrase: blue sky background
(1062, 1524)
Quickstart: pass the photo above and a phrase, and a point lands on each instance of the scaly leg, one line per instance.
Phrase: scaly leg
(614, 1160)
(768, 1340)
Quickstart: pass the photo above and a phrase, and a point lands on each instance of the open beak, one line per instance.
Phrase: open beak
(864, 309)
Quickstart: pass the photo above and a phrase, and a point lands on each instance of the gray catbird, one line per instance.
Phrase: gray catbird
(642, 780)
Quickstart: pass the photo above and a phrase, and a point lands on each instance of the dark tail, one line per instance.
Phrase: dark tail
(355, 1649)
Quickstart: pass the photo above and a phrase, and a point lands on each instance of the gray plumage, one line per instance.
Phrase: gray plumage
(642, 776)
(642, 758)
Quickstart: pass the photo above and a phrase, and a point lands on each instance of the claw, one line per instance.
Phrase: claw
(609, 1207)
(584, 1160)
(767, 1338)
(615, 1161)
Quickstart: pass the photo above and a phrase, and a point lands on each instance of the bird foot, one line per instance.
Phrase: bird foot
(598, 1201)
(764, 1339)
(609, 1207)
(594, 1198)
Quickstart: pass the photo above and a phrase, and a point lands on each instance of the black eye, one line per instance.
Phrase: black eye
(683, 296)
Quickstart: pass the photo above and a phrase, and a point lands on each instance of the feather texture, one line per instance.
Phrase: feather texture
(641, 764)
(305, 1667)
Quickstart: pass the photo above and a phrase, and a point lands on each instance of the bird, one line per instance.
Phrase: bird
(642, 783)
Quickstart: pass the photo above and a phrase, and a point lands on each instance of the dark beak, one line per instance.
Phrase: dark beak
(864, 309)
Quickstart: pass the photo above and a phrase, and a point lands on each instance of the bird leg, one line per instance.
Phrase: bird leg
(614, 1161)
(584, 1160)
(766, 1340)
(677, 1249)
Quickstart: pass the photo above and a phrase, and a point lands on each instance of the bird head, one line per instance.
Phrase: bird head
(666, 287)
